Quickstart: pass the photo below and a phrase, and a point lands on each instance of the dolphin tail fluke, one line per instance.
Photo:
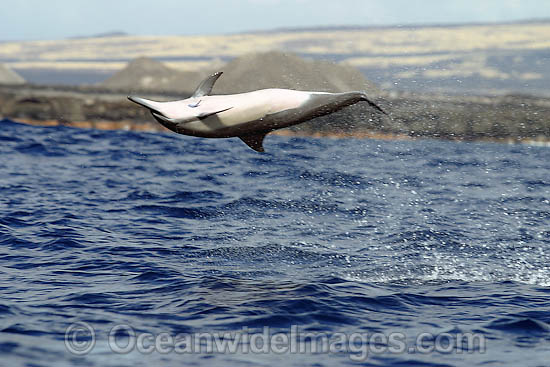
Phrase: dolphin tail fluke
(205, 87)
(372, 104)
(255, 141)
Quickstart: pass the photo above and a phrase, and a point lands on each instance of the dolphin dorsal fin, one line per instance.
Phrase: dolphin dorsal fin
(255, 140)
(205, 87)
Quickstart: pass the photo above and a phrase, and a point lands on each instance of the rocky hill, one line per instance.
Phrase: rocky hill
(246, 73)
(145, 73)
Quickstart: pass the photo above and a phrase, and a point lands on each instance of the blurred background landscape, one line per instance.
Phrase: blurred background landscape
(475, 59)
(472, 78)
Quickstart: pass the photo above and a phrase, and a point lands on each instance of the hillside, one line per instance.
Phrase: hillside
(144, 73)
(283, 70)
(246, 73)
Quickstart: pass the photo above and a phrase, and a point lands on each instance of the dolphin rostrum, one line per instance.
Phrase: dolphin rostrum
(249, 116)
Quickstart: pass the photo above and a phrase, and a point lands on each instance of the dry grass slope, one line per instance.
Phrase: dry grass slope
(372, 41)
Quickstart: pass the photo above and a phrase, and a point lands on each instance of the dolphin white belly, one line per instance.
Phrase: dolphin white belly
(249, 116)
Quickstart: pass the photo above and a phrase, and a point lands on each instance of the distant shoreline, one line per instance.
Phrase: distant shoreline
(154, 127)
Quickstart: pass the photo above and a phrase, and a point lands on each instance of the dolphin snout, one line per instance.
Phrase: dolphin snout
(151, 105)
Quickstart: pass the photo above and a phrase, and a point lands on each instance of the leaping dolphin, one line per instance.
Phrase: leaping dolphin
(249, 116)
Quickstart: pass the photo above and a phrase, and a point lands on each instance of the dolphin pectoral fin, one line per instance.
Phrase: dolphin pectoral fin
(372, 104)
(255, 141)
(205, 87)
(205, 114)
(169, 120)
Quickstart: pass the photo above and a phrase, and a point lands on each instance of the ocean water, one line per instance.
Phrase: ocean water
(140, 249)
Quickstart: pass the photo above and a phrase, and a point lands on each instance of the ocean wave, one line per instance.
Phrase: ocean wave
(179, 234)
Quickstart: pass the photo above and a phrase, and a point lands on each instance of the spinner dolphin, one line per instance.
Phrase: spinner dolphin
(249, 116)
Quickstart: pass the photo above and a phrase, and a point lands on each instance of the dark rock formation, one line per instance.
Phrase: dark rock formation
(510, 118)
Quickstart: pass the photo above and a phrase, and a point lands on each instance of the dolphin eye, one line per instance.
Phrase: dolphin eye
(193, 105)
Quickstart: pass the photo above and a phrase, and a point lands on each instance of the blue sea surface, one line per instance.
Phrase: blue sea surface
(388, 252)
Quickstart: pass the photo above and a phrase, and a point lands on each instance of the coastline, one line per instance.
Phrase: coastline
(128, 125)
